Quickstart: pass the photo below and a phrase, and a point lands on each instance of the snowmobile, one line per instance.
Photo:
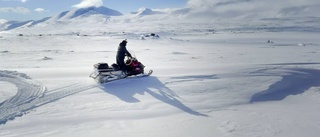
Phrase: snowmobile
(103, 73)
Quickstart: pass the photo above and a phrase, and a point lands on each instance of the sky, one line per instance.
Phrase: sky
(21, 10)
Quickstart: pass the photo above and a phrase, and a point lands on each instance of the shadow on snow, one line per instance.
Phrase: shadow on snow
(151, 85)
(296, 82)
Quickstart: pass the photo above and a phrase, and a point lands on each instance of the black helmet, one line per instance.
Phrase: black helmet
(125, 41)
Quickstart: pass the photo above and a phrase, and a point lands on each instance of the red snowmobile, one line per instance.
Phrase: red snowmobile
(103, 73)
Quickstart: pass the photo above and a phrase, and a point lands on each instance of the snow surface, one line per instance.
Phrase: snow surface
(207, 81)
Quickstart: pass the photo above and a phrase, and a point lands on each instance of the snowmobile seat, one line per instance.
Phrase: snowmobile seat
(102, 67)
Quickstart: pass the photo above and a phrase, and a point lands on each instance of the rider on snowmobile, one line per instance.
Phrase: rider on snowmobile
(122, 52)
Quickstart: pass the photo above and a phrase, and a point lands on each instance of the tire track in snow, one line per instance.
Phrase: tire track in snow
(27, 88)
(32, 94)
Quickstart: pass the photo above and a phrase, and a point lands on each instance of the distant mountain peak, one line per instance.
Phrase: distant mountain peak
(90, 11)
(146, 11)
(66, 16)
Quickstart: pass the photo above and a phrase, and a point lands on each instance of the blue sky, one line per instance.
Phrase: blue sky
(22, 10)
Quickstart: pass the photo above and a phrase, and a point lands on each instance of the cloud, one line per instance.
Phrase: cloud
(89, 3)
(22, 10)
(40, 10)
(199, 3)
(2, 21)
(23, 1)
(263, 8)
(266, 3)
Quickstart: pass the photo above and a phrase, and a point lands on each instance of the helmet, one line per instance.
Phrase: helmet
(128, 62)
(125, 41)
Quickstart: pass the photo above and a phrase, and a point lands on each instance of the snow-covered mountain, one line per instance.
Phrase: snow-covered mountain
(66, 16)
(92, 16)
(85, 12)
(301, 18)
(13, 24)
(146, 11)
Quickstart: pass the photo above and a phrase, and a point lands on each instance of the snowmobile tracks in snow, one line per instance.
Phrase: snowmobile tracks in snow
(31, 94)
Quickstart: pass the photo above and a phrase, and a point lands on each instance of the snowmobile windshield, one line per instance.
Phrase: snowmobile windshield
(132, 54)
(128, 60)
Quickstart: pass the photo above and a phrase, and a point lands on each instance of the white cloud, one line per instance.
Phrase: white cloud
(2, 21)
(264, 8)
(23, 1)
(89, 3)
(22, 10)
(199, 3)
(267, 3)
(40, 10)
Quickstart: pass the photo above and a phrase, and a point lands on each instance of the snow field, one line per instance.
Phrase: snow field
(202, 85)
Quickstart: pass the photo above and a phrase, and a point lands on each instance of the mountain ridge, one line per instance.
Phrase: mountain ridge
(65, 16)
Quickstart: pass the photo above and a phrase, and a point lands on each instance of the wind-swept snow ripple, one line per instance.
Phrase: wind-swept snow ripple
(296, 82)
(31, 94)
